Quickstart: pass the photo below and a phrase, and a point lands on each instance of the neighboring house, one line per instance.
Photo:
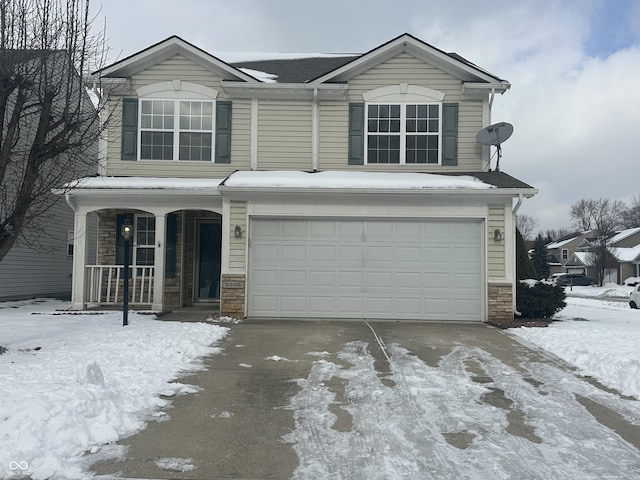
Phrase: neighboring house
(335, 187)
(624, 261)
(40, 263)
(561, 251)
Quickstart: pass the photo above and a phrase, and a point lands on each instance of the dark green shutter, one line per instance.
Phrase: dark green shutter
(129, 129)
(449, 134)
(120, 219)
(356, 134)
(170, 246)
(223, 132)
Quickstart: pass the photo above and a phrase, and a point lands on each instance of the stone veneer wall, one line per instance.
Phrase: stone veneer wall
(500, 303)
(232, 295)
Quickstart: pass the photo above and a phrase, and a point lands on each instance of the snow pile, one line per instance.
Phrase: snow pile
(602, 339)
(607, 290)
(175, 464)
(70, 383)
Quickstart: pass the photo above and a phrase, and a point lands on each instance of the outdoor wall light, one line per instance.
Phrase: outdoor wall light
(497, 235)
(126, 230)
(237, 232)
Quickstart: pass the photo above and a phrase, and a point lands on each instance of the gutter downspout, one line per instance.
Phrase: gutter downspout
(515, 212)
(314, 131)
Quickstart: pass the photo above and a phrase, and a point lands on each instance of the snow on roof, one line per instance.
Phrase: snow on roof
(240, 57)
(622, 234)
(146, 183)
(627, 254)
(353, 180)
(262, 76)
(583, 257)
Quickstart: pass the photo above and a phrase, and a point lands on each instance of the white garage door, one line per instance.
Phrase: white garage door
(357, 268)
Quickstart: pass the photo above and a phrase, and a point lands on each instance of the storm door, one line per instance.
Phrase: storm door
(208, 260)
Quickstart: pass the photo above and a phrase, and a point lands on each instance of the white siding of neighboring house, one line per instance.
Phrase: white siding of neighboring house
(45, 270)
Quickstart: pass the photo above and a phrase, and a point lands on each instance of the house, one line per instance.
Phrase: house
(561, 251)
(325, 187)
(40, 262)
(623, 261)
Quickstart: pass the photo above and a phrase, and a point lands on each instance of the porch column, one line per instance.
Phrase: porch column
(79, 260)
(158, 277)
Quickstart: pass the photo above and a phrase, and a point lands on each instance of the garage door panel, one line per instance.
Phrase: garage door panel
(321, 306)
(323, 253)
(293, 278)
(319, 279)
(355, 268)
(348, 279)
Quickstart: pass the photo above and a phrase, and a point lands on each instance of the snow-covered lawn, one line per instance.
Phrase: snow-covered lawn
(70, 383)
(600, 337)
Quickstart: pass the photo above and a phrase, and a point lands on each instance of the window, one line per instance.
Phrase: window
(565, 253)
(144, 240)
(167, 124)
(70, 238)
(403, 133)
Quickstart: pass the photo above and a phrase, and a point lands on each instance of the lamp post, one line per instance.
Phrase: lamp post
(126, 234)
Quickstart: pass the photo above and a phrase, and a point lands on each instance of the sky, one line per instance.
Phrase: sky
(574, 67)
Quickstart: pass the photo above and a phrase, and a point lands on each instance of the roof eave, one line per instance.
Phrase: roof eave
(334, 91)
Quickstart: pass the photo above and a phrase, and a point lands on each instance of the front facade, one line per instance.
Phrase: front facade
(335, 187)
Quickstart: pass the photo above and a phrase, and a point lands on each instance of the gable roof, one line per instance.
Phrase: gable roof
(166, 49)
(309, 68)
(451, 63)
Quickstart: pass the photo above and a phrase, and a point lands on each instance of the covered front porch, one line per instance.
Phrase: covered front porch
(176, 249)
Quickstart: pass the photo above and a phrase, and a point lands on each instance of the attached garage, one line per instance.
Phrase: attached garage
(419, 269)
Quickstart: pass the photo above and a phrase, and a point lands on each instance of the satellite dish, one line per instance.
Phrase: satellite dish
(495, 135)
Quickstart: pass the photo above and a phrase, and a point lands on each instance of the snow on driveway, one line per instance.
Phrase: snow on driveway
(70, 383)
(470, 417)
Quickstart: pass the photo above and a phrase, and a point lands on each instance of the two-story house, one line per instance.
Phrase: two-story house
(325, 187)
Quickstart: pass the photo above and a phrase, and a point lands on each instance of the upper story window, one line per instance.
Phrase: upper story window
(176, 121)
(403, 133)
(565, 253)
(176, 130)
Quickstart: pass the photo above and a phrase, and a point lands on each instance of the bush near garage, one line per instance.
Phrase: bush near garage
(539, 300)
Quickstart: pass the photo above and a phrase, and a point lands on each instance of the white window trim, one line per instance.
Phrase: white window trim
(135, 245)
(403, 132)
(176, 129)
(564, 254)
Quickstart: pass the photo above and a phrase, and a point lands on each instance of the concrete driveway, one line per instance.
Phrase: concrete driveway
(382, 400)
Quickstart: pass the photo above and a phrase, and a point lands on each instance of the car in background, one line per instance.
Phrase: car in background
(574, 279)
(553, 278)
(634, 297)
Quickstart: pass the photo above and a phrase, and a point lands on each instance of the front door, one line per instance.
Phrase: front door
(208, 256)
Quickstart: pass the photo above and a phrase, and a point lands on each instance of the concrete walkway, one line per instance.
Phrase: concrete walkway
(234, 426)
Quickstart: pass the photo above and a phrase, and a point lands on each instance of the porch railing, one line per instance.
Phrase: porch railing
(105, 285)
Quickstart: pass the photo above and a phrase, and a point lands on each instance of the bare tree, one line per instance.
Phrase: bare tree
(527, 225)
(582, 213)
(554, 235)
(48, 125)
(603, 216)
(631, 214)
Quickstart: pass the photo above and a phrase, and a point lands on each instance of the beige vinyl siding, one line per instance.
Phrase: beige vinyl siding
(284, 135)
(179, 67)
(237, 246)
(495, 250)
(333, 137)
